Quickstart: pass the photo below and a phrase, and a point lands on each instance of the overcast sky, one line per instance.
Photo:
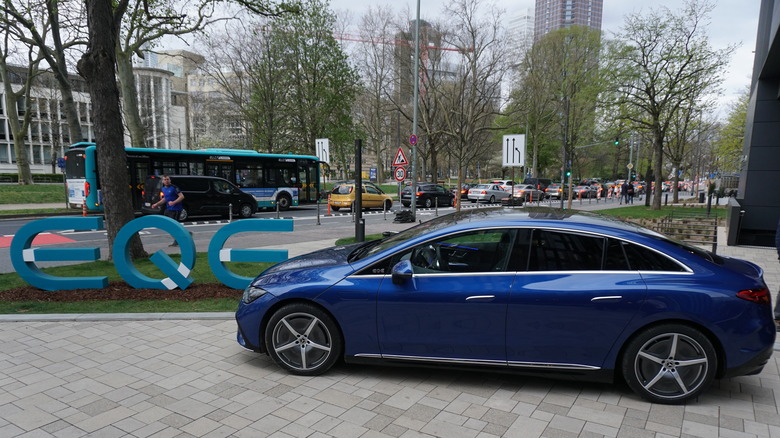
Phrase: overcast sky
(732, 22)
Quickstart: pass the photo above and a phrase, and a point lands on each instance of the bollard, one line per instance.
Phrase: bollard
(328, 213)
(277, 209)
(230, 213)
(436, 206)
(84, 208)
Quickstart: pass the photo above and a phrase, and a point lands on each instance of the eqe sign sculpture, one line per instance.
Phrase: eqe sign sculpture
(24, 258)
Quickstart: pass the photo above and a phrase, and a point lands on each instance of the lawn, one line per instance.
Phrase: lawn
(32, 194)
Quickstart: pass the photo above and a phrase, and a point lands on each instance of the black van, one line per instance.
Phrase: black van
(203, 195)
(539, 183)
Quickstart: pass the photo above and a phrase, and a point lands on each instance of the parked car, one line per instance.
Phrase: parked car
(489, 193)
(584, 192)
(428, 195)
(203, 195)
(527, 193)
(463, 192)
(343, 196)
(539, 183)
(505, 184)
(531, 290)
(557, 191)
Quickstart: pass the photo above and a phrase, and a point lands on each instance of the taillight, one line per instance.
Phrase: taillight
(86, 189)
(759, 296)
(419, 194)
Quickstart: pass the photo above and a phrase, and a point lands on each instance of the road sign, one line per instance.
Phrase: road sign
(412, 139)
(322, 146)
(630, 165)
(513, 151)
(400, 158)
(400, 173)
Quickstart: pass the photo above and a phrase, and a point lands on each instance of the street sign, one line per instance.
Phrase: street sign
(513, 151)
(630, 165)
(322, 146)
(412, 139)
(400, 173)
(400, 158)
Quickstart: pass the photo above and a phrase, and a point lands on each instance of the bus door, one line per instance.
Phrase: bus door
(222, 169)
(139, 170)
(308, 178)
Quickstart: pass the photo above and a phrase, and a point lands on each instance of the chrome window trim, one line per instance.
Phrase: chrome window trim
(687, 270)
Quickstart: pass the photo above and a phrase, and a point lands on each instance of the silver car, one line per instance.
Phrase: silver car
(490, 193)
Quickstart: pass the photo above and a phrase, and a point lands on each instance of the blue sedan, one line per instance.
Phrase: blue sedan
(535, 290)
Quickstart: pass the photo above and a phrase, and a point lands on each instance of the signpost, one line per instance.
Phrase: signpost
(513, 151)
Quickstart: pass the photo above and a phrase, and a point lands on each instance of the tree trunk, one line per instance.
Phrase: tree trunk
(658, 162)
(18, 131)
(97, 66)
(129, 101)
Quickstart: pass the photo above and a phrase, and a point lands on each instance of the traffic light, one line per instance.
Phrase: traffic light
(568, 173)
(617, 141)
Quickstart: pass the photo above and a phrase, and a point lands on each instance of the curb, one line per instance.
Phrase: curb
(80, 317)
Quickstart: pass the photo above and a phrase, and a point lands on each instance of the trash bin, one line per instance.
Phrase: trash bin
(701, 198)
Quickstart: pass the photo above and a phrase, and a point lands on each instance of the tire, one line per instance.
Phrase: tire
(406, 204)
(492, 200)
(284, 202)
(246, 211)
(184, 214)
(335, 208)
(388, 205)
(427, 203)
(669, 364)
(473, 201)
(303, 339)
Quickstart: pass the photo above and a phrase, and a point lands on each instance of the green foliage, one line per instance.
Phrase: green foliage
(307, 85)
(32, 194)
(201, 272)
(730, 143)
(120, 306)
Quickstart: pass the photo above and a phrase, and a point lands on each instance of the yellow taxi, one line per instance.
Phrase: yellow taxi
(343, 196)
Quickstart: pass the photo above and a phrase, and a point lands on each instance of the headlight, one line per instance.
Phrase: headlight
(252, 293)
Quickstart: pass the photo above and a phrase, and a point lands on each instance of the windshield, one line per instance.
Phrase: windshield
(416, 231)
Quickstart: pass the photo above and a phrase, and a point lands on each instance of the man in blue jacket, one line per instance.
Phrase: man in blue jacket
(172, 198)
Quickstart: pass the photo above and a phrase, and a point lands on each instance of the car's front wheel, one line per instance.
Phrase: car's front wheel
(183, 214)
(303, 339)
(245, 211)
(284, 202)
(669, 364)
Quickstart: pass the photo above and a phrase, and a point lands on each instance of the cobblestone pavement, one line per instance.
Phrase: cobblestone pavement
(188, 377)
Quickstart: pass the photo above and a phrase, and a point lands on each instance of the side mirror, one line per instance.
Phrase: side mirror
(402, 272)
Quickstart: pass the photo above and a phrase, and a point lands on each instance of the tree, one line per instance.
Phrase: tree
(41, 26)
(470, 100)
(663, 62)
(98, 67)
(731, 139)
(375, 113)
(19, 100)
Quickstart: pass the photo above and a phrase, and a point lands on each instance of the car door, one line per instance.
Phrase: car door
(573, 296)
(372, 197)
(454, 306)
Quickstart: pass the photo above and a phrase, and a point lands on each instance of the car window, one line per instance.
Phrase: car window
(373, 190)
(222, 187)
(343, 190)
(645, 259)
(473, 251)
(563, 251)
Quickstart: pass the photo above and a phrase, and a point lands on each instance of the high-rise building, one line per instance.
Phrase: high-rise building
(557, 14)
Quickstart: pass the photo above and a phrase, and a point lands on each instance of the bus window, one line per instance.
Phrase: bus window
(74, 165)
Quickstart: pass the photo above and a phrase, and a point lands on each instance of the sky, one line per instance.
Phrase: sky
(733, 22)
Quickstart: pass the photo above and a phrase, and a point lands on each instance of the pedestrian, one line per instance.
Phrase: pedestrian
(630, 194)
(172, 199)
(624, 192)
(777, 298)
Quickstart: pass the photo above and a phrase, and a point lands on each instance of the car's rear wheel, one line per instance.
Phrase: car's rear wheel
(492, 200)
(335, 208)
(669, 364)
(303, 339)
(428, 203)
(245, 211)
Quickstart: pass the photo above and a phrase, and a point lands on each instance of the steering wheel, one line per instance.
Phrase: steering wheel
(430, 257)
